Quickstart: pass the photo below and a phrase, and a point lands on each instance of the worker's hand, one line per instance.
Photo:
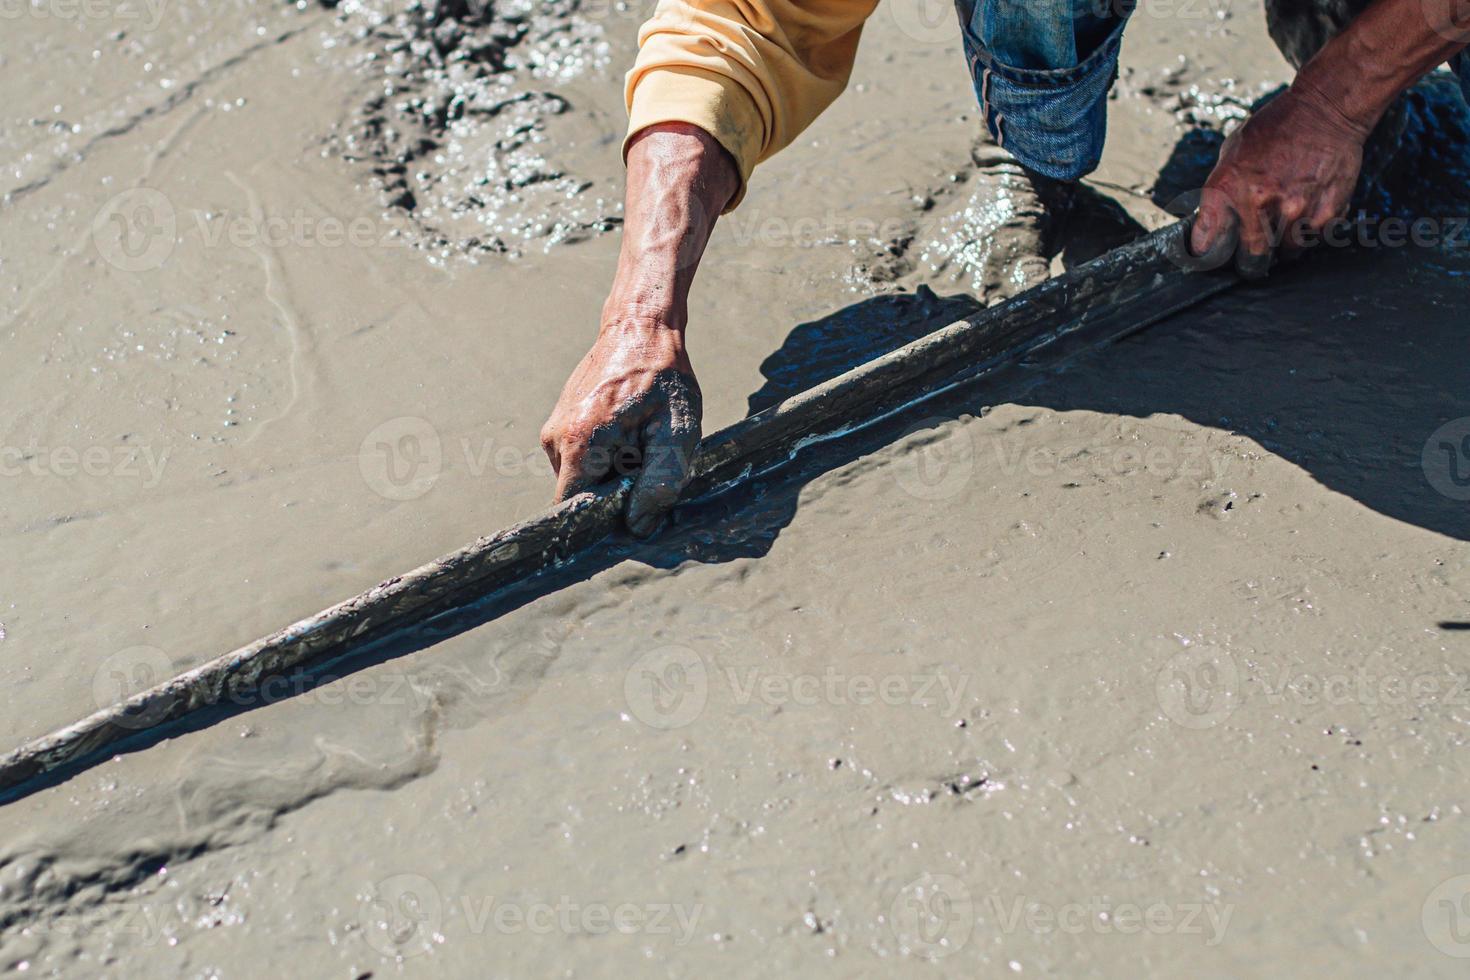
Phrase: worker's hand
(632, 405)
(1282, 178)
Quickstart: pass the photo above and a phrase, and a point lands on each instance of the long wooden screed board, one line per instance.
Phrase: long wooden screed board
(1116, 294)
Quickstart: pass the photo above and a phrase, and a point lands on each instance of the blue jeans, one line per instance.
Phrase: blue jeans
(1043, 68)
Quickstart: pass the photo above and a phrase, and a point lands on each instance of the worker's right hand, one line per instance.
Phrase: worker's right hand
(1282, 178)
(631, 406)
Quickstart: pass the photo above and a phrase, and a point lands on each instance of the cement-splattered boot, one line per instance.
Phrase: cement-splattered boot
(1002, 240)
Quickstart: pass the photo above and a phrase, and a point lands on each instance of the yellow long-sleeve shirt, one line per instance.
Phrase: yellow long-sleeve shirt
(751, 73)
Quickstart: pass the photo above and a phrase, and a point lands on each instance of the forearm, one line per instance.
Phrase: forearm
(1390, 46)
(679, 181)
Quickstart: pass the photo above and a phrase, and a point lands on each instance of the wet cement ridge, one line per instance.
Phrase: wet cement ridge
(177, 98)
(1112, 296)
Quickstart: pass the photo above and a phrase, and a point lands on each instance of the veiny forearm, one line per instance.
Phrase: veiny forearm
(679, 180)
(1358, 74)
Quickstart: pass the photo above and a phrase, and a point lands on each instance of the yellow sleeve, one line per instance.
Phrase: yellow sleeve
(751, 73)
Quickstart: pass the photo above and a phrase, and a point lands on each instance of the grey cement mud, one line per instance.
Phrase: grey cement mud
(924, 697)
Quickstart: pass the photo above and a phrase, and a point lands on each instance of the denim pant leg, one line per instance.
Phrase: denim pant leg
(1042, 70)
(1461, 64)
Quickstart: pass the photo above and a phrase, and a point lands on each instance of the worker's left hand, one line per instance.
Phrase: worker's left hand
(1282, 178)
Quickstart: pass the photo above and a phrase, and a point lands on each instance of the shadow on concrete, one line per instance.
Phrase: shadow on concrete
(1348, 364)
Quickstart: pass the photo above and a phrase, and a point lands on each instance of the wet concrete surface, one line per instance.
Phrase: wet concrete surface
(1152, 663)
